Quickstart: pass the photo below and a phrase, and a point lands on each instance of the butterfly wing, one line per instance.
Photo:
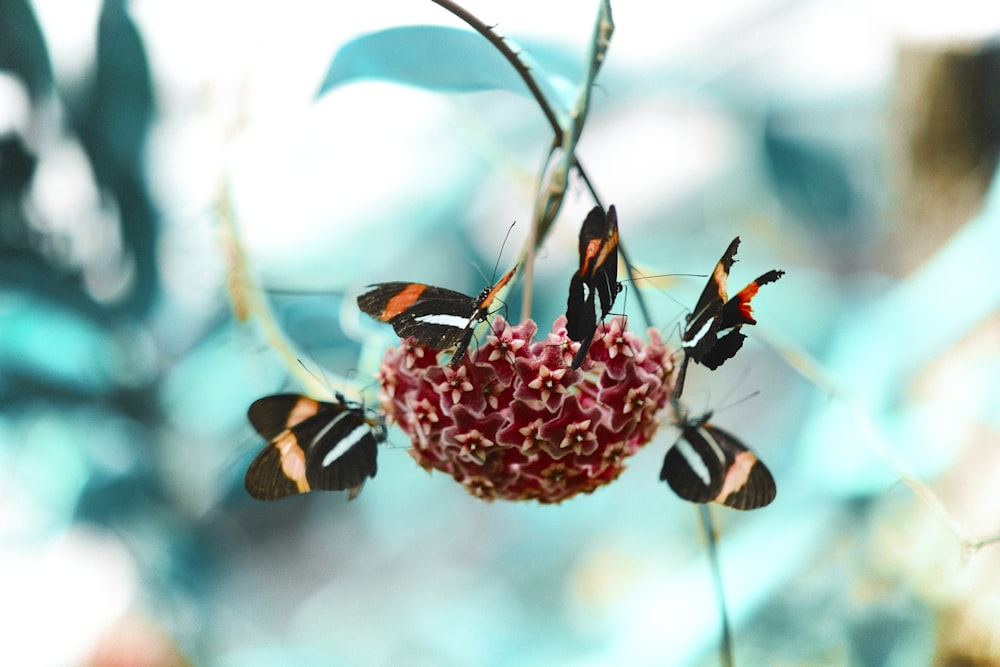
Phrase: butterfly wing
(312, 445)
(748, 483)
(588, 326)
(605, 265)
(726, 340)
(273, 475)
(710, 465)
(715, 295)
(580, 318)
(737, 310)
(596, 281)
(704, 322)
(482, 304)
(434, 316)
(694, 467)
(725, 346)
(342, 454)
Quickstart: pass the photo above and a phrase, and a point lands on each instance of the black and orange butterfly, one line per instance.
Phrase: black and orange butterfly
(707, 464)
(312, 445)
(713, 334)
(434, 316)
(593, 288)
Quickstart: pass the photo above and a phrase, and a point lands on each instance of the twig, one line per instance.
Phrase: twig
(814, 372)
(711, 539)
(498, 41)
(248, 302)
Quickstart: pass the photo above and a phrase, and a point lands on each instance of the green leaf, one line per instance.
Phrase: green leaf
(22, 48)
(436, 58)
(123, 93)
(115, 117)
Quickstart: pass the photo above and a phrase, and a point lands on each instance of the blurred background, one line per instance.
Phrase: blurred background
(158, 158)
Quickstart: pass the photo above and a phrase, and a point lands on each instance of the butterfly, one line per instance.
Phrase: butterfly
(713, 334)
(434, 316)
(312, 445)
(596, 281)
(707, 464)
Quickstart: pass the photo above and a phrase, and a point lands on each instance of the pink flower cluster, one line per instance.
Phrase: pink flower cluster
(514, 421)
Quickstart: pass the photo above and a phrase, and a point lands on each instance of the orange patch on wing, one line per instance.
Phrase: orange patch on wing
(293, 460)
(719, 277)
(402, 301)
(598, 251)
(743, 298)
(737, 476)
(590, 256)
(303, 409)
(610, 246)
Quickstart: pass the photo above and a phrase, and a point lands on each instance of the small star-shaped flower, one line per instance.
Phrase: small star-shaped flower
(578, 436)
(414, 353)
(530, 433)
(548, 381)
(554, 475)
(387, 378)
(506, 345)
(426, 412)
(474, 444)
(636, 398)
(456, 379)
(613, 455)
(480, 487)
(616, 344)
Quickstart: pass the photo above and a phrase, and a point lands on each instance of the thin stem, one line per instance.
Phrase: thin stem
(586, 182)
(248, 302)
(529, 80)
(711, 539)
(813, 371)
(498, 41)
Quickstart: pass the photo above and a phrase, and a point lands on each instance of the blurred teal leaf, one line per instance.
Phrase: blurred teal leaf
(113, 118)
(22, 48)
(45, 342)
(28, 270)
(17, 168)
(811, 179)
(436, 58)
(122, 89)
(842, 448)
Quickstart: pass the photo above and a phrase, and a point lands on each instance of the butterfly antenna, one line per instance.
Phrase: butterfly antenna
(643, 309)
(639, 276)
(496, 267)
(752, 394)
(323, 380)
